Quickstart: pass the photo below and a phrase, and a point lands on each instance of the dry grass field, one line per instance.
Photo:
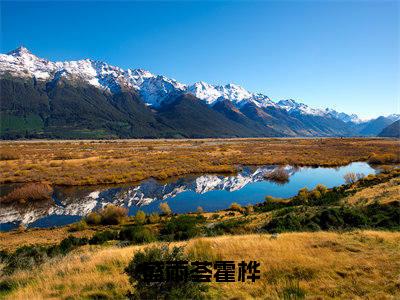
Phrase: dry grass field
(120, 161)
(353, 265)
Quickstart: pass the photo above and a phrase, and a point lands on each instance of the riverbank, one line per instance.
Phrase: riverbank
(111, 162)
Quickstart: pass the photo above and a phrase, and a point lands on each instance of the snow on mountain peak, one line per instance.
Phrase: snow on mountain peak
(154, 89)
(292, 106)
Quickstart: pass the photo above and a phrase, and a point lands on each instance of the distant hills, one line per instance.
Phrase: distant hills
(91, 99)
(393, 130)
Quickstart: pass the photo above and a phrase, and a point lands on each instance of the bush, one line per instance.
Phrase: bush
(164, 289)
(113, 215)
(78, 226)
(249, 209)
(137, 234)
(232, 226)
(8, 156)
(93, 218)
(165, 209)
(182, 227)
(70, 243)
(200, 210)
(25, 258)
(28, 257)
(140, 217)
(351, 177)
(154, 218)
(376, 216)
(29, 192)
(104, 236)
(236, 207)
(278, 175)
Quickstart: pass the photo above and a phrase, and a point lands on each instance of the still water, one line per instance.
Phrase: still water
(185, 194)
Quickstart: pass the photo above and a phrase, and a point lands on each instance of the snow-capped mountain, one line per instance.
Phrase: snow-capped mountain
(71, 98)
(292, 106)
(154, 89)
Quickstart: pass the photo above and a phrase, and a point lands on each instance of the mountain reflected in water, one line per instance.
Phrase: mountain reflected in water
(185, 194)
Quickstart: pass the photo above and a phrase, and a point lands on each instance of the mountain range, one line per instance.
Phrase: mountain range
(91, 99)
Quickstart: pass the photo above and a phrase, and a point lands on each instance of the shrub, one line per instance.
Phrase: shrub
(28, 257)
(302, 197)
(143, 289)
(29, 192)
(182, 227)
(140, 217)
(351, 177)
(249, 209)
(215, 216)
(236, 207)
(232, 226)
(70, 243)
(137, 234)
(103, 236)
(278, 175)
(25, 258)
(321, 188)
(93, 218)
(113, 215)
(200, 210)
(78, 226)
(166, 210)
(8, 156)
(154, 218)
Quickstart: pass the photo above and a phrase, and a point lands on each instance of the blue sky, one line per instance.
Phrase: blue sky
(340, 54)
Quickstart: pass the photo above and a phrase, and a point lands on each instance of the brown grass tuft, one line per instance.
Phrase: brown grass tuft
(29, 192)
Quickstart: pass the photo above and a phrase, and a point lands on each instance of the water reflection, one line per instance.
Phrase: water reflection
(212, 192)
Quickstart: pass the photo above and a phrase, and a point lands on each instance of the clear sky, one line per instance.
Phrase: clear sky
(339, 54)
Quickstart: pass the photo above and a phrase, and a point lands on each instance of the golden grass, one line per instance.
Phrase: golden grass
(101, 162)
(383, 193)
(29, 192)
(362, 265)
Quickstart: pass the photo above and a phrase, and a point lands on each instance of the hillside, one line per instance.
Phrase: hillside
(393, 130)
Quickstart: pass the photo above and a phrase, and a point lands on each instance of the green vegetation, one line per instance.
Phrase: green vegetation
(165, 289)
(182, 227)
(28, 257)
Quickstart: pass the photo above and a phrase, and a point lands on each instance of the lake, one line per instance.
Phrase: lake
(210, 191)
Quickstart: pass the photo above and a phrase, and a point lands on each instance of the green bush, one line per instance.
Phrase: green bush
(78, 226)
(25, 258)
(375, 216)
(28, 257)
(140, 217)
(182, 227)
(137, 234)
(68, 244)
(165, 289)
(104, 236)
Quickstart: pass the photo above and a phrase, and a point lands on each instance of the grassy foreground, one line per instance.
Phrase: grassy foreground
(361, 264)
(108, 162)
